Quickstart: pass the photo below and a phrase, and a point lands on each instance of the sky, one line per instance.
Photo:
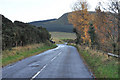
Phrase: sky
(34, 10)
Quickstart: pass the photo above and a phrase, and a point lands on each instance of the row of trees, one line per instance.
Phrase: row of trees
(98, 30)
(20, 34)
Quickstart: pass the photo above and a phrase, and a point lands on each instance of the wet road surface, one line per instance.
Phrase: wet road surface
(61, 62)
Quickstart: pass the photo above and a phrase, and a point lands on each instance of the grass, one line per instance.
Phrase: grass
(63, 35)
(100, 64)
(19, 53)
(58, 37)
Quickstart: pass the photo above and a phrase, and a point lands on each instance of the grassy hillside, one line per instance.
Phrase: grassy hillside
(56, 25)
(43, 21)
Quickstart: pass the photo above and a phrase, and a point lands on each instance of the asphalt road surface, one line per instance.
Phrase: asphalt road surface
(61, 62)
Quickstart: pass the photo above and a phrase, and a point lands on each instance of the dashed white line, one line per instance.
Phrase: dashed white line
(39, 72)
(59, 53)
(44, 67)
(53, 58)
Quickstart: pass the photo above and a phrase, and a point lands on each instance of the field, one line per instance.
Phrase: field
(59, 36)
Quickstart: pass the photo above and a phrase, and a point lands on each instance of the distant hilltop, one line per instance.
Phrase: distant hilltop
(56, 25)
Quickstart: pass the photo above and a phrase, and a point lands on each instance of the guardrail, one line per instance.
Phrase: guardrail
(114, 55)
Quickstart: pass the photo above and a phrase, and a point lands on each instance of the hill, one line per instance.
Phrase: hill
(42, 22)
(56, 25)
(19, 34)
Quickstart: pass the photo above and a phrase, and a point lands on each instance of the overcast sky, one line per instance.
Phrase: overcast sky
(33, 10)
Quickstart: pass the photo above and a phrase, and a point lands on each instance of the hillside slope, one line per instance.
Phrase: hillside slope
(56, 25)
(19, 34)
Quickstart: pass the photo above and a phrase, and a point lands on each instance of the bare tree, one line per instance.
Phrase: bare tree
(113, 8)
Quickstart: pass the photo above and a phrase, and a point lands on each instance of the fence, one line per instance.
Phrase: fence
(114, 55)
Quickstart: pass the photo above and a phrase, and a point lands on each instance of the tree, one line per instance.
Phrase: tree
(106, 30)
(113, 7)
(92, 35)
(20, 34)
(80, 20)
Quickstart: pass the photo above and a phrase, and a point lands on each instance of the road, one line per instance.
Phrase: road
(61, 62)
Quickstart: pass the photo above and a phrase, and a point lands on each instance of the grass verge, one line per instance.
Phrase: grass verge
(100, 64)
(19, 53)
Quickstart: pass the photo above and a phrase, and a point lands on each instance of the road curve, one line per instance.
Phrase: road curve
(61, 62)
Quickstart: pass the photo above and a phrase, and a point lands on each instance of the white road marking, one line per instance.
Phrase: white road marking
(59, 53)
(44, 67)
(39, 72)
(53, 59)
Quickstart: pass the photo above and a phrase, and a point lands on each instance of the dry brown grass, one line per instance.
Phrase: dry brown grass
(96, 52)
(18, 49)
(18, 53)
